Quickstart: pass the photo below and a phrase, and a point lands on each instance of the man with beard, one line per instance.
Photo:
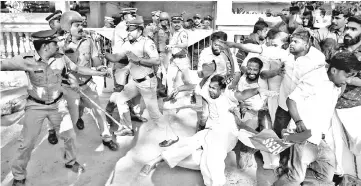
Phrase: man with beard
(300, 59)
(224, 65)
(348, 109)
(336, 30)
(207, 149)
(311, 106)
(81, 49)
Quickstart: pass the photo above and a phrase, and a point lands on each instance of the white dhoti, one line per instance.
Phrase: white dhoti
(344, 138)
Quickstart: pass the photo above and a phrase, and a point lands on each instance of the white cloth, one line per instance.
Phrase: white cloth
(316, 97)
(337, 139)
(256, 102)
(294, 69)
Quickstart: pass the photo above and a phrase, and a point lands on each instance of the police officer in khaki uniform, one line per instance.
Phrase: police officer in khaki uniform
(152, 27)
(207, 22)
(43, 68)
(54, 23)
(82, 50)
(179, 63)
(143, 56)
(161, 40)
(197, 20)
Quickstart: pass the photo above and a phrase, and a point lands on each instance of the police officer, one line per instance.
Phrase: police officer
(179, 62)
(207, 22)
(197, 19)
(108, 22)
(161, 40)
(82, 50)
(43, 68)
(142, 54)
(152, 27)
(54, 23)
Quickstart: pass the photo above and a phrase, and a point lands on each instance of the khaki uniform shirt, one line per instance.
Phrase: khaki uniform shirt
(143, 47)
(81, 53)
(180, 36)
(44, 81)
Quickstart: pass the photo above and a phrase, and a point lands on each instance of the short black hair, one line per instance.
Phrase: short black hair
(220, 80)
(256, 60)
(260, 25)
(343, 8)
(323, 11)
(356, 19)
(271, 34)
(39, 43)
(346, 61)
(219, 35)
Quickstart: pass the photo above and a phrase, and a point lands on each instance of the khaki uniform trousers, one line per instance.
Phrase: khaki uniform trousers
(178, 67)
(74, 99)
(35, 114)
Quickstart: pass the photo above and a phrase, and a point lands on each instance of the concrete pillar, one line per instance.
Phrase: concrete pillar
(95, 18)
(62, 5)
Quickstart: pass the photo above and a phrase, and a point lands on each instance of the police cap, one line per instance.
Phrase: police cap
(45, 35)
(55, 15)
(197, 16)
(128, 10)
(177, 18)
(157, 12)
(208, 17)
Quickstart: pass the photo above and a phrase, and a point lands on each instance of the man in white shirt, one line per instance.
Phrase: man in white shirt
(207, 149)
(312, 107)
(300, 59)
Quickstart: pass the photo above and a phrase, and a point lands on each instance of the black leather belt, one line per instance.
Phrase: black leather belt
(66, 82)
(44, 102)
(145, 78)
(179, 56)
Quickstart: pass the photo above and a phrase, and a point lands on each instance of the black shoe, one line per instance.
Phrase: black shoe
(52, 138)
(76, 167)
(80, 124)
(18, 182)
(138, 118)
(167, 143)
(111, 145)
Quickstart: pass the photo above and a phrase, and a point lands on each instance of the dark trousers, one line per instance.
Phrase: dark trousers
(282, 120)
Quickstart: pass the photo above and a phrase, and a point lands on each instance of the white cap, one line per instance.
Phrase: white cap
(108, 18)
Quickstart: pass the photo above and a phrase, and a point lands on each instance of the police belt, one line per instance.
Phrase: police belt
(45, 102)
(145, 78)
(179, 55)
(87, 81)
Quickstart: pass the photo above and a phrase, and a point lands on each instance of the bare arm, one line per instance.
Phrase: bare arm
(249, 47)
(245, 94)
(292, 109)
(237, 77)
(114, 57)
(266, 74)
(18, 63)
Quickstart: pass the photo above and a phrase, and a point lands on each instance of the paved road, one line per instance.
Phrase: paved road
(104, 167)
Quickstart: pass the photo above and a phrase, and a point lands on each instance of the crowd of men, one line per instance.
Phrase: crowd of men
(293, 76)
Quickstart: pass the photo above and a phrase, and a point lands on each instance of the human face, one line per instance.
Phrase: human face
(85, 23)
(56, 25)
(339, 77)
(207, 23)
(216, 48)
(297, 45)
(352, 34)
(253, 71)
(262, 33)
(214, 90)
(177, 24)
(133, 33)
(76, 29)
(128, 17)
(276, 42)
(52, 48)
(338, 21)
(197, 21)
(164, 22)
(155, 17)
(306, 20)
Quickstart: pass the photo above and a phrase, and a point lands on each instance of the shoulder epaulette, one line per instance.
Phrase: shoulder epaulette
(27, 55)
